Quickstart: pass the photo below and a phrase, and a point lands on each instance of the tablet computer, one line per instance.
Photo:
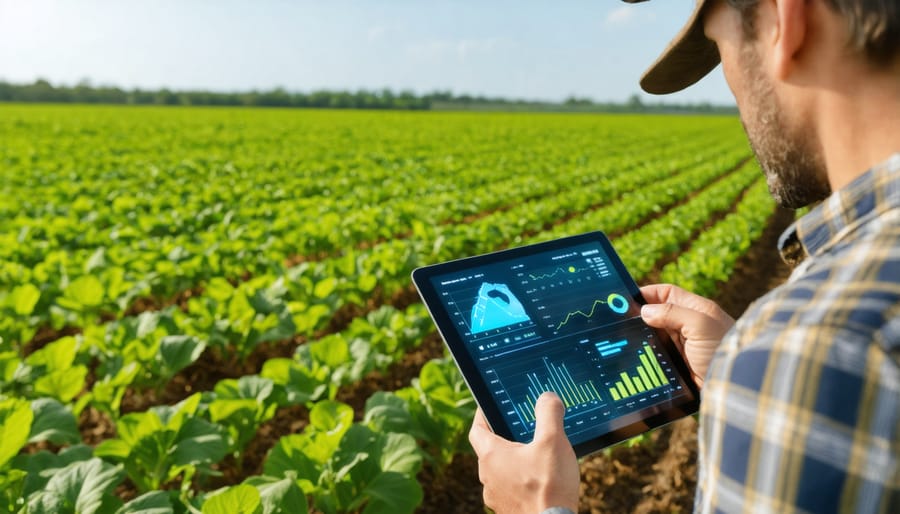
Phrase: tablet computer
(561, 316)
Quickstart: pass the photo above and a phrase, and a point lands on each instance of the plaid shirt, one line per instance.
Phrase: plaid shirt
(801, 405)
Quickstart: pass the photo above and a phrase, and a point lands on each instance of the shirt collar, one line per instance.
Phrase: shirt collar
(871, 194)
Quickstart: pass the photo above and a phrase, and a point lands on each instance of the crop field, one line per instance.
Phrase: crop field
(210, 310)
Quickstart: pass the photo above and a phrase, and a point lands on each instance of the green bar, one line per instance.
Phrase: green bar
(536, 385)
(561, 390)
(567, 387)
(596, 393)
(639, 384)
(614, 393)
(534, 394)
(571, 386)
(656, 366)
(645, 378)
(585, 392)
(628, 383)
(649, 369)
(622, 392)
(551, 383)
(578, 392)
(531, 410)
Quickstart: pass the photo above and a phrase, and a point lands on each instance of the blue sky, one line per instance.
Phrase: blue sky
(518, 49)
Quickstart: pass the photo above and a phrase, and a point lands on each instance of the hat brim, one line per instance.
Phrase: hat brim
(688, 58)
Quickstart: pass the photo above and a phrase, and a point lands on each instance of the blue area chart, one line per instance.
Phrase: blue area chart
(496, 307)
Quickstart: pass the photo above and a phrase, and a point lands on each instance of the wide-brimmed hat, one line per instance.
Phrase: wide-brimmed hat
(687, 59)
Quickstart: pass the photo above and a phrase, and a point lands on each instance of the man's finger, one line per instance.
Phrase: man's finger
(480, 435)
(669, 316)
(548, 413)
(668, 293)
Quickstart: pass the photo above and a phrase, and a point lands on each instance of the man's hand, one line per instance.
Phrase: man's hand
(528, 478)
(694, 323)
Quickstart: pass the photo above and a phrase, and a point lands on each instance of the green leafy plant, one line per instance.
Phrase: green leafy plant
(437, 409)
(241, 406)
(52, 371)
(348, 467)
(83, 487)
(165, 443)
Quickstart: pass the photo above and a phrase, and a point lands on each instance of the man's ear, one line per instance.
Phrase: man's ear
(790, 35)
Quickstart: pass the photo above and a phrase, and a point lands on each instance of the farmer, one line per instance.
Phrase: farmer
(801, 396)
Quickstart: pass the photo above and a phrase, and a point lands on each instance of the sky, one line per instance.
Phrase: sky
(527, 49)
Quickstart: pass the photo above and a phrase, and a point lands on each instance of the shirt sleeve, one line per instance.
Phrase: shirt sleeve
(800, 418)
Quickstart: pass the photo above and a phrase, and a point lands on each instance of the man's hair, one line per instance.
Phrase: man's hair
(874, 25)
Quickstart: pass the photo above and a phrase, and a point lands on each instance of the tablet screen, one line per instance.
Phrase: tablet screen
(567, 320)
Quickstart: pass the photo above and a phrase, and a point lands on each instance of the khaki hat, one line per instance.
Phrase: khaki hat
(687, 59)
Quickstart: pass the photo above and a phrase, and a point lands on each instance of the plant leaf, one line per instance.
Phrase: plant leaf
(24, 298)
(240, 499)
(155, 502)
(79, 487)
(53, 422)
(198, 442)
(392, 493)
(178, 352)
(16, 418)
(279, 496)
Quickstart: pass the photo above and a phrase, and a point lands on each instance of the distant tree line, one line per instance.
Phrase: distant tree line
(84, 92)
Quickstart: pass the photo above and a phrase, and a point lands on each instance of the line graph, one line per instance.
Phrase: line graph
(616, 303)
(557, 271)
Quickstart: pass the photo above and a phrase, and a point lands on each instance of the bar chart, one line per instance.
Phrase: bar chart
(559, 380)
(646, 376)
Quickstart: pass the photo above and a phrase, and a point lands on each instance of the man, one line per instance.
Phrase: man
(800, 396)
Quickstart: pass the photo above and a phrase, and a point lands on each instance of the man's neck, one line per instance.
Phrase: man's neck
(859, 127)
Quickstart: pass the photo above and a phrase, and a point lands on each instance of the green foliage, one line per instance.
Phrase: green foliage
(232, 230)
(155, 502)
(51, 371)
(437, 409)
(83, 487)
(146, 350)
(349, 467)
(241, 406)
(43, 465)
(53, 422)
(712, 257)
(240, 499)
(16, 418)
(163, 443)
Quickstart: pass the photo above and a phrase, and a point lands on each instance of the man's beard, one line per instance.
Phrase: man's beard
(790, 158)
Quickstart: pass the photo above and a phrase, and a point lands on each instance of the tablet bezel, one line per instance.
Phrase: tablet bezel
(645, 419)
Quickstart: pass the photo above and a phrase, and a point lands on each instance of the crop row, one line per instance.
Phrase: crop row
(711, 258)
(438, 393)
(318, 289)
(150, 348)
(165, 216)
(168, 444)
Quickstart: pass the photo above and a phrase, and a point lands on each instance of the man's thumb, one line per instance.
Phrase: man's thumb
(548, 413)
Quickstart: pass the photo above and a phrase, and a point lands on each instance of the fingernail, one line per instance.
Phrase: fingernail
(650, 311)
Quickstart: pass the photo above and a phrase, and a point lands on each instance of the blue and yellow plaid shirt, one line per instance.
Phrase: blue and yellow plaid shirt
(801, 405)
